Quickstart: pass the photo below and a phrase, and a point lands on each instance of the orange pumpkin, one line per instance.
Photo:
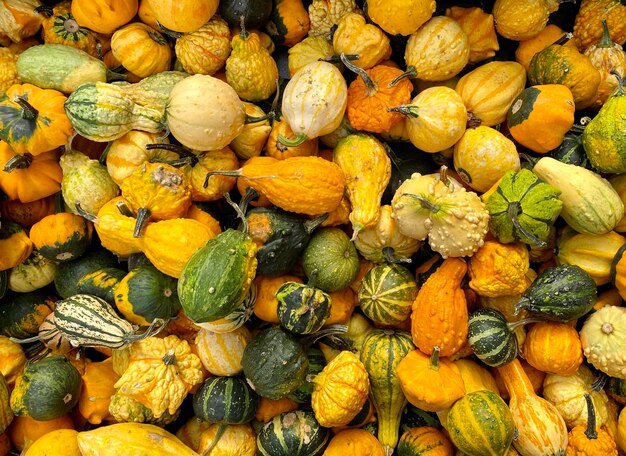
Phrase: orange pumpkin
(141, 49)
(553, 347)
(104, 16)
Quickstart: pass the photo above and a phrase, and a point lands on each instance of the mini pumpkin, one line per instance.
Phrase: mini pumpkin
(355, 36)
(553, 347)
(61, 237)
(205, 50)
(141, 49)
(480, 29)
(104, 16)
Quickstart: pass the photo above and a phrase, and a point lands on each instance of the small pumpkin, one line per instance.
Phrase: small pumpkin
(415, 12)
(553, 347)
(221, 353)
(276, 149)
(526, 49)
(354, 442)
(289, 22)
(250, 142)
(237, 439)
(601, 338)
(588, 26)
(27, 214)
(310, 49)
(15, 245)
(60, 27)
(354, 36)
(519, 20)
(104, 16)
(183, 16)
(33, 273)
(141, 49)
(62, 236)
(95, 396)
(588, 439)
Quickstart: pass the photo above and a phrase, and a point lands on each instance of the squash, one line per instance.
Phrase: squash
(33, 273)
(191, 431)
(26, 214)
(415, 14)
(354, 36)
(6, 414)
(340, 390)
(47, 389)
(205, 50)
(141, 49)
(104, 16)
(61, 237)
(354, 442)
(310, 49)
(60, 27)
(325, 15)
(601, 140)
(25, 430)
(13, 359)
(69, 273)
(526, 49)
(423, 440)
(484, 414)
(438, 50)
(601, 338)
(597, 210)
(491, 337)
(522, 20)
(540, 427)
(201, 125)
(436, 118)
(582, 78)
(302, 309)
(237, 317)
(553, 347)
(276, 149)
(125, 409)
(22, 313)
(589, 440)
(288, 23)
(221, 353)
(499, 269)
(367, 169)
(588, 26)
(55, 443)
(95, 396)
(480, 30)
(489, 90)
(237, 440)
(292, 434)
(137, 438)
(252, 139)
(183, 16)
(381, 353)
(302, 395)
(15, 245)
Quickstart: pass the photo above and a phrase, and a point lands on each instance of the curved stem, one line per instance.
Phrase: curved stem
(516, 324)
(143, 215)
(311, 225)
(371, 85)
(515, 208)
(434, 358)
(520, 305)
(324, 332)
(532, 161)
(18, 161)
(123, 208)
(169, 32)
(236, 173)
(599, 383)
(411, 72)
(432, 207)
(299, 139)
(605, 41)
(240, 212)
(176, 148)
(218, 435)
(620, 83)
(389, 254)
(408, 110)
(84, 214)
(337, 58)
(115, 76)
(28, 111)
(591, 431)
(105, 153)
(25, 341)
(152, 330)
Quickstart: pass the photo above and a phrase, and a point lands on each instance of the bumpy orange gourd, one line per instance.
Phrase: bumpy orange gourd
(275, 149)
(588, 25)
(104, 16)
(439, 317)
(198, 166)
(204, 51)
(553, 347)
(519, 21)
(499, 269)
(400, 17)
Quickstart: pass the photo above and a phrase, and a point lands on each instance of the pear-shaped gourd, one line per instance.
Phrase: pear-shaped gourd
(603, 138)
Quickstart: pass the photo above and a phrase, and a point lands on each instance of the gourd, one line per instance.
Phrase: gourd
(553, 347)
(540, 427)
(415, 12)
(26, 214)
(25, 430)
(438, 50)
(239, 439)
(20, 20)
(60, 27)
(597, 210)
(324, 15)
(521, 21)
(550, 34)
(32, 120)
(340, 390)
(588, 31)
(381, 353)
(331, 258)
(99, 379)
(237, 317)
(601, 340)
(225, 401)
(21, 314)
(601, 140)
(221, 353)
(59, 67)
(436, 118)
(302, 395)
(313, 85)
(292, 434)
(205, 50)
(491, 337)
(185, 16)
(276, 149)
(481, 413)
(55, 443)
(309, 50)
(523, 208)
(140, 438)
(489, 90)
(61, 237)
(47, 389)
(104, 16)
(353, 442)
(423, 440)
(302, 309)
(141, 49)
(253, 14)
(480, 29)
(589, 440)
(209, 124)
(15, 245)
(33, 273)
(355, 36)
(6, 414)
(69, 273)
(288, 23)
(367, 169)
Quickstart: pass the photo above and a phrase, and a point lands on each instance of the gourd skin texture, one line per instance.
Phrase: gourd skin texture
(480, 29)
(603, 341)
(38, 180)
(141, 49)
(205, 50)
(355, 36)
(401, 17)
(499, 269)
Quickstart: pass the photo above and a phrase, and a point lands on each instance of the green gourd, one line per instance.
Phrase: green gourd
(302, 309)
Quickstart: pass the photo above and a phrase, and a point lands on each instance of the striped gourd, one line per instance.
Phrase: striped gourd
(381, 353)
(221, 353)
(237, 317)
(89, 321)
(302, 309)
(292, 434)
(101, 283)
(316, 363)
(387, 293)
(424, 441)
(481, 424)
(491, 337)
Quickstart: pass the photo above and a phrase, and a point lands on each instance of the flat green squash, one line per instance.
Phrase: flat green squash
(22, 313)
(293, 434)
(101, 283)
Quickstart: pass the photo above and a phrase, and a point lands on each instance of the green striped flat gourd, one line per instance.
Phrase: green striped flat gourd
(88, 321)
(481, 424)
(101, 283)
(381, 353)
(236, 318)
(413, 416)
(145, 294)
(46, 389)
(302, 309)
(6, 414)
(216, 279)
(293, 434)
(387, 293)
(423, 441)
(22, 313)
(69, 273)
(491, 337)
(221, 353)
(103, 112)
(316, 364)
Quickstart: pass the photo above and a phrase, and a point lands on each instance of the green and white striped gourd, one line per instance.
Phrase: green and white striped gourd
(293, 434)
(491, 337)
(89, 321)
(387, 293)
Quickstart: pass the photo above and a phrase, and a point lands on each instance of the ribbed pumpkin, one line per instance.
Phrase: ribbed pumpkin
(183, 16)
(553, 347)
(60, 27)
(141, 49)
(104, 16)
(426, 441)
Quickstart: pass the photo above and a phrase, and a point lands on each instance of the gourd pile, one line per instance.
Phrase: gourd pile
(321, 228)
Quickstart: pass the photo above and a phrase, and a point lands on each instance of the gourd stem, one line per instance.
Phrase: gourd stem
(183, 161)
(25, 341)
(152, 330)
(105, 153)
(531, 160)
(434, 358)
(473, 121)
(115, 76)
(605, 41)
(564, 39)
(235, 173)
(38, 357)
(577, 128)
(389, 254)
(176, 148)
(591, 431)
(312, 279)
(84, 214)
(337, 58)
(218, 435)
(516, 324)
(169, 359)
(273, 112)
(311, 225)
(44, 10)
(242, 23)
(240, 212)
(143, 214)
(28, 111)
(443, 175)
(432, 207)
(371, 85)
(326, 331)
(520, 305)
(299, 139)
(599, 383)
(123, 208)
(411, 72)
(514, 209)
(18, 161)
(620, 83)
(339, 343)
(169, 32)
(408, 110)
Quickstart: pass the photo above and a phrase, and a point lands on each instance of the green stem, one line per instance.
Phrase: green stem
(311, 225)
(371, 85)
(152, 330)
(599, 383)
(28, 111)
(605, 41)
(235, 173)
(105, 153)
(143, 215)
(390, 256)
(84, 214)
(18, 161)
(337, 58)
(169, 32)
(299, 139)
(591, 431)
(432, 207)
(411, 72)
(408, 110)
(515, 208)
(123, 208)
(324, 332)
(239, 210)
(218, 435)
(434, 358)
(115, 76)
(620, 83)
(516, 324)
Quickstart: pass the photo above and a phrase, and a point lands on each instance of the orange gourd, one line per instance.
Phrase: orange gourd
(141, 49)
(266, 304)
(27, 214)
(24, 430)
(95, 396)
(269, 408)
(553, 347)
(104, 16)
(276, 149)
(480, 30)
(183, 15)
(587, 440)
(354, 442)
(528, 48)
